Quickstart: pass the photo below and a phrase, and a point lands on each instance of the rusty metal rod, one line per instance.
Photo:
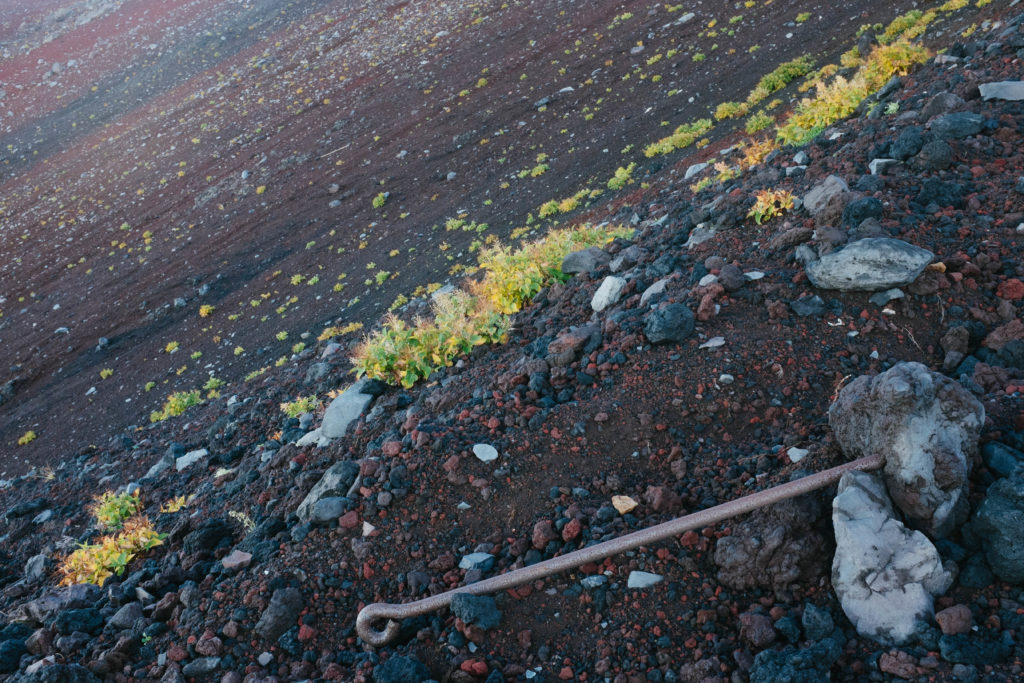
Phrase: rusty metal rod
(380, 610)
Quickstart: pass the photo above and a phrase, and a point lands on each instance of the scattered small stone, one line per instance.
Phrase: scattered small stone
(797, 454)
(623, 504)
(713, 343)
(476, 610)
(485, 452)
(190, 458)
(955, 619)
(638, 579)
(608, 294)
(482, 561)
(236, 559)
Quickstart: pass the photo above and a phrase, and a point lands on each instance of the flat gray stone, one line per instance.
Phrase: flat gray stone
(126, 617)
(869, 265)
(236, 559)
(1002, 90)
(638, 579)
(657, 288)
(190, 458)
(585, 260)
(344, 410)
(693, 170)
(327, 510)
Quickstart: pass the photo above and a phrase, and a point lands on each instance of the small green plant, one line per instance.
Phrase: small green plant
(281, 336)
(380, 200)
(621, 177)
(27, 438)
(759, 121)
(149, 386)
(802, 17)
(244, 520)
(683, 136)
(769, 204)
(205, 311)
(176, 404)
(111, 509)
(105, 373)
(699, 57)
(171, 347)
(95, 562)
(173, 505)
(303, 404)
(299, 347)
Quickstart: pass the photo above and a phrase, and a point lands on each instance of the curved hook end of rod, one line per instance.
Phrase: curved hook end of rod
(370, 635)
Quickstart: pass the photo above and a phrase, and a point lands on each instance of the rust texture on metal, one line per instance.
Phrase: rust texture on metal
(393, 613)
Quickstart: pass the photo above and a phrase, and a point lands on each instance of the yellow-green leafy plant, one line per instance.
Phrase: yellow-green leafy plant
(173, 505)
(26, 438)
(176, 404)
(380, 200)
(404, 353)
(840, 97)
(95, 562)
(769, 204)
(683, 136)
(303, 404)
(759, 121)
(112, 509)
(621, 177)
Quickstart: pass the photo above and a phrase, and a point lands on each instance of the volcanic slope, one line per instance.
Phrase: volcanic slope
(189, 187)
(581, 407)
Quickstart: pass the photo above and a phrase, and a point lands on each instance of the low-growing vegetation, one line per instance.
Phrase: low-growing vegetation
(96, 562)
(404, 353)
(112, 509)
(683, 136)
(769, 204)
(303, 404)
(176, 404)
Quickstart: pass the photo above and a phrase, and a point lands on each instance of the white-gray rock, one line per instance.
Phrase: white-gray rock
(481, 561)
(821, 194)
(265, 658)
(869, 265)
(344, 410)
(190, 458)
(310, 438)
(1002, 90)
(126, 616)
(485, 452)
(166, 461)
(657, 288)
(35, 568)
(608, 294)
(881, 166)
(693, 170)
(699, 235)
(638, 579)
(885, 575)
(927, 426)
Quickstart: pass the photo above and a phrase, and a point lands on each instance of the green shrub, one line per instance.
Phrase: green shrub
(303, 404)
(111, 509)
(176, 404)
(621, 177)
(684, 136)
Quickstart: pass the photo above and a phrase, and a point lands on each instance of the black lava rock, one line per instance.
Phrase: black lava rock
(973, 650)
(208, 536)
(958, 125)
(861, 209)
(10, 655)
(934, 156)
(400, 669)
(478, 610)
(907, 144)
(817, 622)
(809, 665)
(672, 323)
(87, 620)
(808, 305)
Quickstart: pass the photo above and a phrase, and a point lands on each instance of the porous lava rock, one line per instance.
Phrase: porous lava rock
(926, 426)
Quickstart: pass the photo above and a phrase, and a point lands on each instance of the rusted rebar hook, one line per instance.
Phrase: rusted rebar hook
(375, 612)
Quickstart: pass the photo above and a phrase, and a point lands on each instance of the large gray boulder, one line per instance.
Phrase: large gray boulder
(926, 425)
(336, 482)
(885, 575)
(999, 525)
(869, 265)
(344, 410)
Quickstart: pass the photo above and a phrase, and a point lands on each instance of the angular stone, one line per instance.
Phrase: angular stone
(280, 615)
(1002, 90)
(190, 458)
(608, 294)
(955, 619)
(344, 410)
(657, 288)
(638, 579)
(869, 265)
(485, 452)
(236, 560)
(960, 124)
(885, 575)
(477, 610)
(823, 193)
(670, 323)
(126, 616)
(926, 426)
(481, 561)
(585, 260)
(337, 480)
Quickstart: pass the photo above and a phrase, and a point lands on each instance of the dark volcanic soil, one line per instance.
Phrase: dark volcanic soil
(134, 166)
(677, 427)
